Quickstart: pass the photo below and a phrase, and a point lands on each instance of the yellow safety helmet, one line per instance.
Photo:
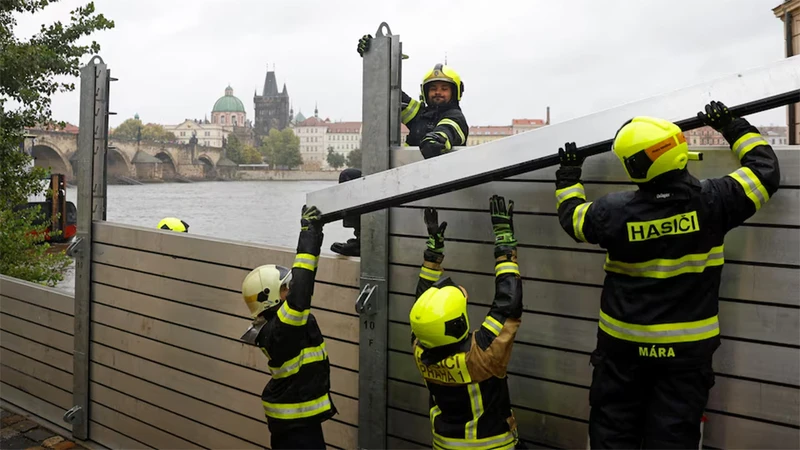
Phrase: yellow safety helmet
(261, 288)
(439, 316)
(440, 72)
(171, 223)
(649, 147)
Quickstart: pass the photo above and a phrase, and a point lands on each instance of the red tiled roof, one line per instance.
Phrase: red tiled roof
(314, 122)
(527, 122)
(344, 127)
(491, 130)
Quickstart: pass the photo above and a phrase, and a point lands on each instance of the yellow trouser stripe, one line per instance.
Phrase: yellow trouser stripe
(493, 325)
(576, 190)
(506, 267)
(578, 219)
(455, 125)
(291, 316)
(297, 410)
(664, 333)
(752, 186)
(306, 261)
(667, 268)
(410, 111)
(429, 274)
(746, 143)
(307, 355)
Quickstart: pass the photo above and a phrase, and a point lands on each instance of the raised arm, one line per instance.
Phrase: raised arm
(431, 269)
(297, 306)
(576, 215)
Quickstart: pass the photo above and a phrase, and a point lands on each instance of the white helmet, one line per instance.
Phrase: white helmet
(261, 288)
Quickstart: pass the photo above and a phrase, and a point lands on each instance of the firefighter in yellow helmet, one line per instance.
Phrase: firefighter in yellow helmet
(436, 125)
(658, 325)
(297, 398)
(465, 372)
(171, 223)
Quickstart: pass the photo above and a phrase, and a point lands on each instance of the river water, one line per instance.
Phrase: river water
(266, 212)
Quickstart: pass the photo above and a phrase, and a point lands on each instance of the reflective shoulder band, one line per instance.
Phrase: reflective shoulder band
(668, 268)
(307, 355)
(752, 186)
(746, 143)
(574, 191)
(452, 123)
(506, 267)
(306, 261)
(493, 325)
(429, 274)
(665, 333)
(297, 410)
(578, 219)
(291, 316)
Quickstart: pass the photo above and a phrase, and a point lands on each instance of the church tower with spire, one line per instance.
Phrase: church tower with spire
(272, 107)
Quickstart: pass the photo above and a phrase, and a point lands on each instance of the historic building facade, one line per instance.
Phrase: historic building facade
(272, 107)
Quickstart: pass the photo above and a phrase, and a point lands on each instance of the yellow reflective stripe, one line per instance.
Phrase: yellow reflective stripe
(291, 316)
(506, 267)
(297, 410)
(306, 261)
(264, 351)
(410, 111)
(576, 190)
(746, 143)
(752, 186)
(429, 274)
(493, 325)
(447, 145)
(307, 355)
(664, 333)
(667, 268)
(578, 219)
(453, 124)
(476, 403)
(500, 442)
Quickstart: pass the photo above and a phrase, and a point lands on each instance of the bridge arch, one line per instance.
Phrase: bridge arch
(169, 170)
(47, 155)
(117, 164)
(209, 170)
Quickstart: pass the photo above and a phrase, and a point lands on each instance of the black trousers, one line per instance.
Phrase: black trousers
(350, 221)
(297, 437)
(644, 404)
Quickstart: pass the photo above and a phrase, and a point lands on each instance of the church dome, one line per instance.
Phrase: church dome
(228, 103)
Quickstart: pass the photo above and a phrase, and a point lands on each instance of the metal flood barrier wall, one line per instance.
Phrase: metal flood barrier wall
(167, 368)
(756, 400)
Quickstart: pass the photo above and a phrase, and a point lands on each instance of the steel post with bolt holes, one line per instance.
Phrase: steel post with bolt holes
(92, 150)
(381, 129)
(747, 92)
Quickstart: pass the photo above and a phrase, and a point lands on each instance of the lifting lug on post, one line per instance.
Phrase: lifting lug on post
(362, 302)
(71, 414)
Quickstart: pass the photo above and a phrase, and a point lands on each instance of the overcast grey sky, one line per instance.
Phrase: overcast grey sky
(174, 58)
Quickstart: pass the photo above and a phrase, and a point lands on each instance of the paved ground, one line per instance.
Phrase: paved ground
(19, 432)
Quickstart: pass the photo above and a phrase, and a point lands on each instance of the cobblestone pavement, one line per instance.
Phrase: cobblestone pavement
(19, 432)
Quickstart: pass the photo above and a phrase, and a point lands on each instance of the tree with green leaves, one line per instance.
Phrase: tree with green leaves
(282, 148)
(334, 159)
(354, 159)
(28, 71)
(133, 130)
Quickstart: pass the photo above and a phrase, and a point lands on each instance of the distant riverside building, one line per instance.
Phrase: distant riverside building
(272, 107)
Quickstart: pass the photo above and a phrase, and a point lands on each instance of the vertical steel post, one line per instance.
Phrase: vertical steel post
(791, 116)
(92, 148)
(381, 113)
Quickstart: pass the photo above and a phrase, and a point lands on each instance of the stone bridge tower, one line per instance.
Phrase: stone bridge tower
(272, 107)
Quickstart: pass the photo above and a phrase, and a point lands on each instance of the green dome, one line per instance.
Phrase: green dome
(228, 103)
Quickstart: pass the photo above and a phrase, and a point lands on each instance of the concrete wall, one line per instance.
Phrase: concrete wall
(756, 400)
(287, 175)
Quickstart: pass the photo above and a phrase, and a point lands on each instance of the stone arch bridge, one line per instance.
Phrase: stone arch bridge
(145, 161)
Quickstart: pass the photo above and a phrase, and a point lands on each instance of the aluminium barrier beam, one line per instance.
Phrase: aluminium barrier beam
(747, 92)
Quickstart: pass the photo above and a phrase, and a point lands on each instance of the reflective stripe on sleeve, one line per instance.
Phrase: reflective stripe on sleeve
(455, 126)
(578, 219)
(307, 356)
(306, 261)
(506, 267)
(752, 186)
(668, 268)
(665, 333)
(574, 191)
(297, 410)
(410, 111)
(429, 274)
(291, 316)
(493, 325)
(746, 143)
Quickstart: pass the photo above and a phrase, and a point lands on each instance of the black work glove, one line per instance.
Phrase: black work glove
(433, 144)
(571, 161)
(502, 225)
(311, 234)
(717, 116)
(435, 245)
(363, 44)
